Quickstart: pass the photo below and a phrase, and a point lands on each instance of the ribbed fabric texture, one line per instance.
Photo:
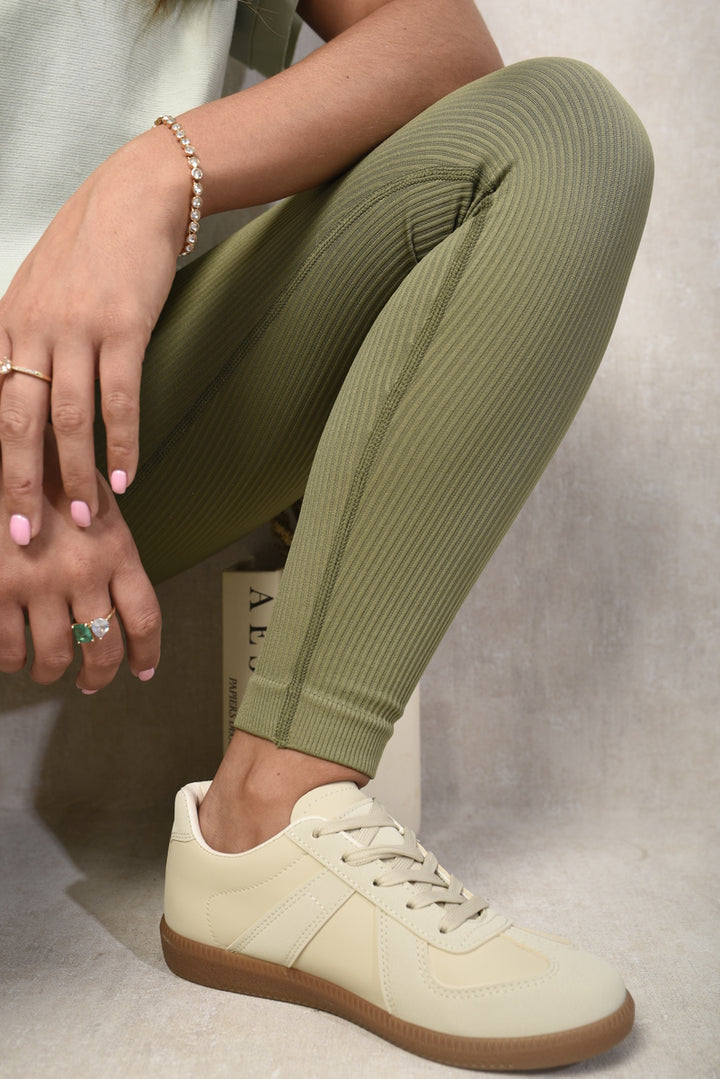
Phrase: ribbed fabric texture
(407, 347)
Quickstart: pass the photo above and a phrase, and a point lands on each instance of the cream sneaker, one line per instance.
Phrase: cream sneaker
(344, 911)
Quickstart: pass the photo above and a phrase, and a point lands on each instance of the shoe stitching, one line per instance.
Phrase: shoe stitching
(471, 993)
(242, 891)
(382, 922)
(358, 886)
(181, 837)
(526, 938)
(290, 901)
(264, 881)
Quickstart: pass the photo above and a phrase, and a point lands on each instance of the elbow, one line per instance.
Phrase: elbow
(471, 60)
(472, 52)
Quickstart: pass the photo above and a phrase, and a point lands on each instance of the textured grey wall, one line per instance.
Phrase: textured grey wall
(583, 669)
(581, 673)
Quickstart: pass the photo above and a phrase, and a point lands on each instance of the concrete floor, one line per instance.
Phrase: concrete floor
(85, 992)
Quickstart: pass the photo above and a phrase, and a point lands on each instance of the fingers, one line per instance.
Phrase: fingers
(54, 644)
(98, 636)
(120, 375)
(24, 403)
(12, 638)
(52, 640)
(135, 603)
(141, 618)
(137, 607)
(73, 409)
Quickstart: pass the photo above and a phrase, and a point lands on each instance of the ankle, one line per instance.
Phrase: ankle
(255, 789)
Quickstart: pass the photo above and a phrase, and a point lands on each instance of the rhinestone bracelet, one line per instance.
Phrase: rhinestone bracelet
(197, 174)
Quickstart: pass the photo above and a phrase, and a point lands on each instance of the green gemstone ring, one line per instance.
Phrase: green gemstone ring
(88, 632)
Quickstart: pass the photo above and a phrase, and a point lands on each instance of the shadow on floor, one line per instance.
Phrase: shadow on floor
(122, 861)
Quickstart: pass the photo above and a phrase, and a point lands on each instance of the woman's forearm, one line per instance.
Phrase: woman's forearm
(86, 299)
(313, 121)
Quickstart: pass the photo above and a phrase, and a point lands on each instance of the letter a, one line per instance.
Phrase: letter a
(258, 602)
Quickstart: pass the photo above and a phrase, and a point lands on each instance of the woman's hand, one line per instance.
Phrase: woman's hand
(69, 574)
(83, 304)
(89, 294)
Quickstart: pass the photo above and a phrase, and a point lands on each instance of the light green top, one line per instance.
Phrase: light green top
(80, 78)
(265, 34)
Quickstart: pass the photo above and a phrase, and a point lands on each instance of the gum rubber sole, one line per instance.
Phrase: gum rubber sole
(221, 969)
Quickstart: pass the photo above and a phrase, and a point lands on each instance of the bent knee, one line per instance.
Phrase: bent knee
(584, 114)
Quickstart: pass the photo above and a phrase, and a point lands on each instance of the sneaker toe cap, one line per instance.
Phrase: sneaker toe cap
(518, 985)
(575, 989)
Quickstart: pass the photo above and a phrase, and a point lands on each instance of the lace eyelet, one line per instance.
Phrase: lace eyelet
(315, 833)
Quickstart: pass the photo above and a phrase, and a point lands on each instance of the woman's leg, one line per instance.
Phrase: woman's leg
(438, 315)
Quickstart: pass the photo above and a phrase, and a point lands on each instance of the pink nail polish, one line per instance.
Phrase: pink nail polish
(145, 676)
(88, 692)
(20, 529)
(80, 513)
(118, 481)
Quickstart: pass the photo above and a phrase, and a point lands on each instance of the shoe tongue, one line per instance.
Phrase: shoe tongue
(331, 801)
(338, 800)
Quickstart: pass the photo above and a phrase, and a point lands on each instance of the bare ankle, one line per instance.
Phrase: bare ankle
(255, 789)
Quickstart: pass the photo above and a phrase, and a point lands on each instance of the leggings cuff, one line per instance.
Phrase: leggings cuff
(321, 726)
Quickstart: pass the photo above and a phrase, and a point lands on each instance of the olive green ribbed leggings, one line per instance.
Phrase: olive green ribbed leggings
(406, 347)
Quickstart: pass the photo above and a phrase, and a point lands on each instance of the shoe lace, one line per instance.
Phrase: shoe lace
(407, 863)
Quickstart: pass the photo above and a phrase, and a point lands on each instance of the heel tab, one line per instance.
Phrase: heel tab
(188, 798)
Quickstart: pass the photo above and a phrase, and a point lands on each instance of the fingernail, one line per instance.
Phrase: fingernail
(80, 513)
(118, 481)
(145, 676)
(20, 529)
(88, 692)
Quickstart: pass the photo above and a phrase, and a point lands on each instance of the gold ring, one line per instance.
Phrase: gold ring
(6, 366)
(88, 632)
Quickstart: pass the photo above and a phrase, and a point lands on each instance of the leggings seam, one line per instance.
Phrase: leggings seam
(223, 376)
(314, 694)
(362, 472)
